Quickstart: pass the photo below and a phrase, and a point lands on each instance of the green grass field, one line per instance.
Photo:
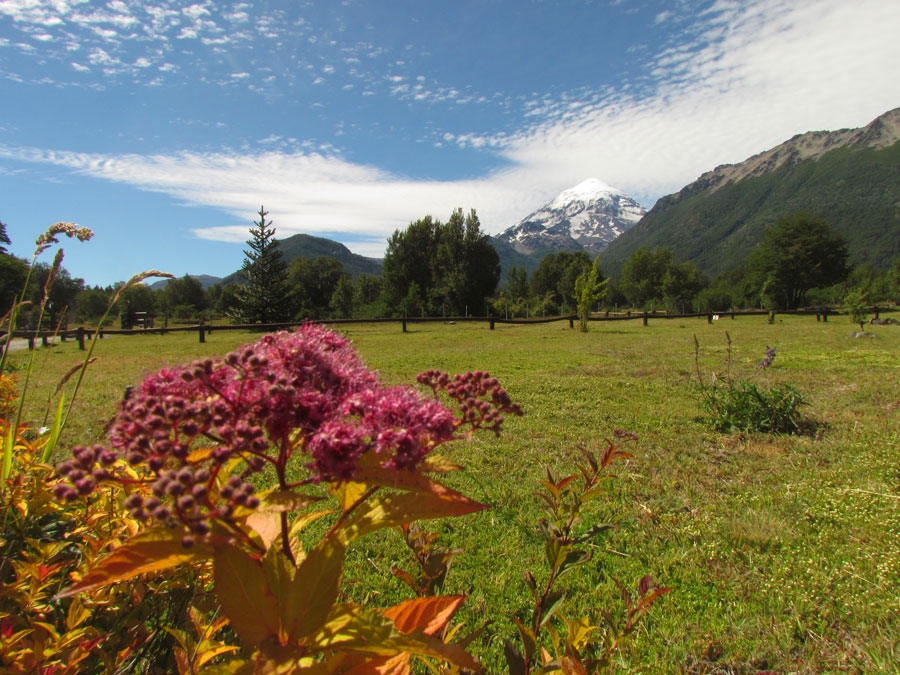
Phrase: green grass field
(784, 552)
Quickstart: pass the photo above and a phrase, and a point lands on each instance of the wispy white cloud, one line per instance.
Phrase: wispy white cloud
(740, 78)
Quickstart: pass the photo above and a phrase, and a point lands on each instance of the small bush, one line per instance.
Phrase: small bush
(743, 405)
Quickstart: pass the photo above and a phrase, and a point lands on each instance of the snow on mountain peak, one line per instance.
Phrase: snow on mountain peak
(587, 190)
(588, 216)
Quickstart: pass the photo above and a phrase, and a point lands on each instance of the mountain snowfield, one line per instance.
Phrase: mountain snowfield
(586, 217)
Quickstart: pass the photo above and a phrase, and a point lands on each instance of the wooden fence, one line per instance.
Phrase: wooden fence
(81, 334)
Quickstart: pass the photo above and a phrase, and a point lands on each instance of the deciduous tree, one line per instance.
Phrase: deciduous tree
(441, 268)
(186, 293)
(313, 282)
(800, 252)
(554, 279)
(590, 288)
(643, 275)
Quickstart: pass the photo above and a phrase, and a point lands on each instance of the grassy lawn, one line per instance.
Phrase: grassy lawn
(784, 552)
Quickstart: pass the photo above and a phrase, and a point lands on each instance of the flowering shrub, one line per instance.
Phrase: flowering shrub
(742, 405)
(191, 444)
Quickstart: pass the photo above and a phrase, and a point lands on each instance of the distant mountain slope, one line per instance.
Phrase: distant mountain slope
(307, 246)
(586, 217)
(510, 257)
(205, 280)
(851, 178)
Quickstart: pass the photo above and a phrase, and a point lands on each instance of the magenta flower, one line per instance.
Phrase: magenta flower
(300, 399)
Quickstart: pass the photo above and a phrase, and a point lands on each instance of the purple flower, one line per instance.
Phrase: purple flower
(770, 356)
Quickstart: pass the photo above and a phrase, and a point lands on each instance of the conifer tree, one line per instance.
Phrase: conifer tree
(264, 295)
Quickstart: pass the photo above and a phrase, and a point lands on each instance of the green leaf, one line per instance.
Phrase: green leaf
(153, 550)
(550, 604)
(9, 443)
(572, 560)
(593, 532)
(55, 429)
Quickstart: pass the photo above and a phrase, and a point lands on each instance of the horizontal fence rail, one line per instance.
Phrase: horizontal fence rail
(81, 333)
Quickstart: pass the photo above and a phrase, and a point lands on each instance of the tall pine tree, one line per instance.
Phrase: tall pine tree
(264, 295)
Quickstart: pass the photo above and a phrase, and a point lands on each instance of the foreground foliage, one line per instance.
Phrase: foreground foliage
(230, 493)
(782, 548)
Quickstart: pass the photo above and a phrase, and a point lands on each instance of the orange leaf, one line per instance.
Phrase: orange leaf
(358, 664)
(394, 510)
(426, 614)
(246, 598)
(151, 551)
(314, 589)
(267, 524)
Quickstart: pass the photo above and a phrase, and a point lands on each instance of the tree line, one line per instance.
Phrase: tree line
(432, 268)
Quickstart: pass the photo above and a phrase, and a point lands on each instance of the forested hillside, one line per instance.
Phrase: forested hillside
(716, 224)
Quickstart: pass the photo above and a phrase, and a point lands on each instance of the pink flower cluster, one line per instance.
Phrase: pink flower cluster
(303, 392)
(480, 398)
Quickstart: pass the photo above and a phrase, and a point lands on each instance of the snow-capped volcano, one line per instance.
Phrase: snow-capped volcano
(586, 217)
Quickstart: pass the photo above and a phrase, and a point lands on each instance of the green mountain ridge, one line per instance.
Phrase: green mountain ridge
(304, 246)
(850, 178)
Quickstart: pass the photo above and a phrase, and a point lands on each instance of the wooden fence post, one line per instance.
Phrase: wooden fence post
(404, 325)
(202, 334)
(79, 334)
(492, 324)
(645, 318)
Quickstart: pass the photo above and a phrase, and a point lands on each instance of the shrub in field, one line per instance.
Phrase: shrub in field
(743, 405)
(548, 640)
(576, 645)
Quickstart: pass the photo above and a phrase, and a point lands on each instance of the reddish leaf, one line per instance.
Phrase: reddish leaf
(428, 615)
(151, 551)
(352, 628)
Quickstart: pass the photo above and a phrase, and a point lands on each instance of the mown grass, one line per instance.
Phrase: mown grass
(784, 552)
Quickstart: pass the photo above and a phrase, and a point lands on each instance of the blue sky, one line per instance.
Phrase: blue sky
(164, 125)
